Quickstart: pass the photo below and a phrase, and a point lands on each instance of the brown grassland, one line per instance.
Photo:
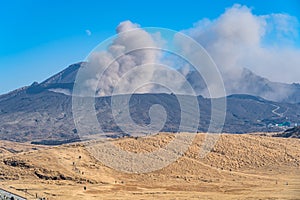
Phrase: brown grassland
(239, 167)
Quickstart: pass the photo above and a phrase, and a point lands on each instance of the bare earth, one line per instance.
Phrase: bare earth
(239, 167)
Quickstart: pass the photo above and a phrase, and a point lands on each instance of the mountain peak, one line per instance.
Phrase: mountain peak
(68, 75)
(246, 83)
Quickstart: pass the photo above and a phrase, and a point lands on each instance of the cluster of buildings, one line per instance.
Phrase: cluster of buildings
(285, 124)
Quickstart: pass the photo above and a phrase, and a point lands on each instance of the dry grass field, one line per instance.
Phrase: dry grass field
(239, 167)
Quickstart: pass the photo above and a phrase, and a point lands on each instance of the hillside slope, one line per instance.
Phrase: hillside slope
(47, 115)
(239, 167)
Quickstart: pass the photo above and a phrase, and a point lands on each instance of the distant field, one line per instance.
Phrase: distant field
(239, 167)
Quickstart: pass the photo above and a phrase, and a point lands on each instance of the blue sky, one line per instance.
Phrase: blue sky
(38, 38)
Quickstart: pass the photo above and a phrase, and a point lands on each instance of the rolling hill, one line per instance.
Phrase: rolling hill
(239, 167)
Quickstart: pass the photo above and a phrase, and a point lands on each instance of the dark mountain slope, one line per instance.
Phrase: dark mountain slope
(48, 115)
(44, 111)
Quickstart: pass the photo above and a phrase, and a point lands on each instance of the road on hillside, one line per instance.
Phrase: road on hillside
(9, 196)
(274, 111)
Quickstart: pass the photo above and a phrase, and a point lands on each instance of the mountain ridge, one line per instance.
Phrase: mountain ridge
(247, 83)
(43, 111)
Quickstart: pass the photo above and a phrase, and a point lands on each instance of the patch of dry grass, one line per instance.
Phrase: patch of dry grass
(239, 167)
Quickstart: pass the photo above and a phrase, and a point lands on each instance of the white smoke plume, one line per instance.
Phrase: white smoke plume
(125, 53)
(262, 43)
(236, 40)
